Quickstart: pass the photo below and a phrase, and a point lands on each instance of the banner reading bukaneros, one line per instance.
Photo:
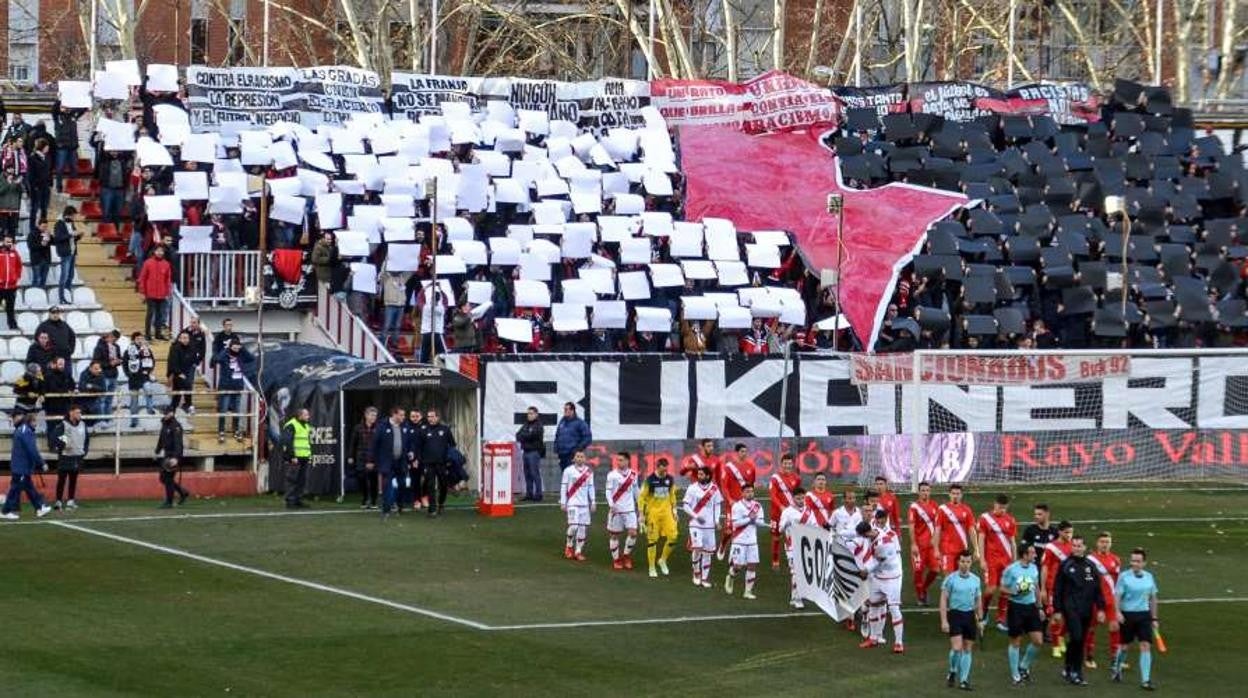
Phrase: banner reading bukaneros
(826, 572)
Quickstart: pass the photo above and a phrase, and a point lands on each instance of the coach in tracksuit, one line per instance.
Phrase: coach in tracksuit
(434, 442)
(1077, 597)
(25, 459)
(389, 453)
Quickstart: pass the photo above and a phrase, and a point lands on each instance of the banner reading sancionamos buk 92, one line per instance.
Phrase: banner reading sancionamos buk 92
(1169, 417)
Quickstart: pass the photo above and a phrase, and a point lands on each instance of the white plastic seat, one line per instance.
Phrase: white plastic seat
(81, 350)
(79, 367)
(18, 346)
(35, 299)
(123, 343)
(101, 320)
(27, 323)
(5, 351)
(78, 322)
(84, 296)
(10, 371)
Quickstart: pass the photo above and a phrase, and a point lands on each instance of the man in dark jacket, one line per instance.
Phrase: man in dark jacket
(532, 437)
(113, 171)
(180, 370)
(1077, 596)
(434, 441)
(65, 128)
(63, 337)
(65, 236)
(169, 444)
(91, 395)
(40, 247)
(57, 386)
(357, 457)
(231, 365)
(108, 355)
(297, 453)
(23, 462)
(72, 448)
(572, 434)
(42, 351)
(39, 182)
(139, 364)
(390, 452)
(221, 340)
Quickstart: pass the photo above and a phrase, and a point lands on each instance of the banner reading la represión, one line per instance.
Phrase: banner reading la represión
(232, 99)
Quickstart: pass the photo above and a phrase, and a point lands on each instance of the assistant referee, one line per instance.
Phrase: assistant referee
(1076, 597)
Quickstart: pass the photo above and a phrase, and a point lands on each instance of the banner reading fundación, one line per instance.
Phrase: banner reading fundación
(826, 572)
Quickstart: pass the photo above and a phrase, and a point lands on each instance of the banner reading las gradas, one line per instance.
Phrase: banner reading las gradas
(826, 572)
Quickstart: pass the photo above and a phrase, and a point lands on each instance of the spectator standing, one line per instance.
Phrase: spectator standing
(72, 447)
(434, 441)
(199, 340)
(10, 202)
(112, 170)
(394, 299)
(10, 277)
(29, 388)
(432, 323)
(464, 329)
(221, 340)
(58, 384)
(297, 449)
(230, 367)
(39, 182)
(65, 128)
(17, 129)
(532, 440)
(169, 468)
(42, 351)
(108, 355)
(411, 488)
(389, 451)
(358, 457)
(572, 434)
(91, 391)
(40, 246)
(62, 336)
(65, 236)
(180, 370)
(24, 460)
(155, 285)
(324, 259)
(139, 364)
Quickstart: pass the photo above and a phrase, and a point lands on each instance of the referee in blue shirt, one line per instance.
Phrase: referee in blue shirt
(1136, 592)
(960, 614)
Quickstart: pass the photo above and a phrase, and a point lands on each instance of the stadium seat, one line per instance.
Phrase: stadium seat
(27, 323)
(84, 296)
(81, 348)
(91, 210)
(17, 348)
(107, 232)
(79, 188)
(78, 321)
(35, 299)
(102, 321)
(4, 350)
(10, 371)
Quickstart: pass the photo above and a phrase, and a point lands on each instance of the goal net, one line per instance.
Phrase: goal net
(1078, 416)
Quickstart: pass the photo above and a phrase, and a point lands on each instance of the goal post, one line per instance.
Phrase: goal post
(1067, 416)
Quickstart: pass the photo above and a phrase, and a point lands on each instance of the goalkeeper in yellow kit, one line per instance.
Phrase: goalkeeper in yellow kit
(658, 515)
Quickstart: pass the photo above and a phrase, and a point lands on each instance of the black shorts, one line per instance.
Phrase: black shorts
(1137, 626)
(962, 623)
(1023, 618)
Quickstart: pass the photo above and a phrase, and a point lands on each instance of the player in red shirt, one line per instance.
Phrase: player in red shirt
(923, 558)
(996, 530)
(736, 472)
(889, 502)
(704, 458)
(955, 530)
(781, 488)
(821, 502)
(1055, 553)
(1108, 564)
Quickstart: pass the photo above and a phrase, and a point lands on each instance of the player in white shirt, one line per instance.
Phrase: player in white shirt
(701, 504)
(845, 518)
(622, 511)
(794, 514)
(576, 496)
(883, 570)
(747, 516)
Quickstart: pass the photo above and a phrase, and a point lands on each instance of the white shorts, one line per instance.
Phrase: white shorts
(703, 539)
(626, 521)
(578, 516)
(886, 591)
(744, 554)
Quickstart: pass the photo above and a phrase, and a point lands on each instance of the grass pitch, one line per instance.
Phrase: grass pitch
(241, 599)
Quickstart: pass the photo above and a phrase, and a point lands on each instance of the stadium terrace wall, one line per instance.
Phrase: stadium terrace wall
(1172, 416)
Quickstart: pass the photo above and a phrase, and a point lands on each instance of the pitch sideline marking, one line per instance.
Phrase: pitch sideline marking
(276, 577)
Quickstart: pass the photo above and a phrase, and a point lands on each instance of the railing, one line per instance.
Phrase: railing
(348, 331)
(218, 278)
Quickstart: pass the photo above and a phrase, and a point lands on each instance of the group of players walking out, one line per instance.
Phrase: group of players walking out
(1047, 584)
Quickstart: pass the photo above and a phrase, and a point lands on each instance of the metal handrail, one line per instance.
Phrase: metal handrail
(219, 278)
(348, 330)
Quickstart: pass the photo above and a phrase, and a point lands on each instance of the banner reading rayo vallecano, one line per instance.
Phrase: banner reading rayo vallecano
(595, 105)
(226, 99)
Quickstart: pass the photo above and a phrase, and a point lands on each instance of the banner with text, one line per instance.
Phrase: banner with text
(971, 369)
(826, 572)
(232, 99)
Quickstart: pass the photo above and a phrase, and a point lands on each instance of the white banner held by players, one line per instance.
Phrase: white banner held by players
(826, 572)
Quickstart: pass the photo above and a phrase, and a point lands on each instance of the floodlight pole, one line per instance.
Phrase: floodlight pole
(1009, 59)
(836, 204)
(1126, 237)
(784, 399)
